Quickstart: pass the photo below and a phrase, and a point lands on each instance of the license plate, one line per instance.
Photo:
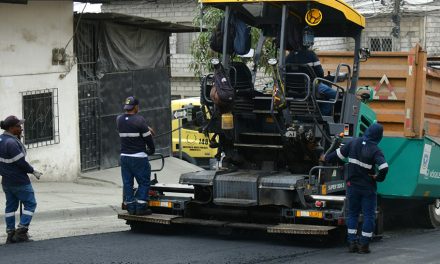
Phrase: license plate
(160, 204)
(313, 214)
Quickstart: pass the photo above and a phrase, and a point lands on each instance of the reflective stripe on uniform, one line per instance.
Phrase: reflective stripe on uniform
(141, 202)
(129, 135)
(367, 234)
(10, 214)
(360, 163)
(338, 151)
(14, 159)
(352, 231)
(146, 134)
(312, 64)
(26, 212)
(383, 166)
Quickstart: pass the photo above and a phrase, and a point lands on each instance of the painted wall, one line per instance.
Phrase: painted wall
(29, 33)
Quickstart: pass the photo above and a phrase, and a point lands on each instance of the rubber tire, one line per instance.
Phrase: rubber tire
(185, 157)
(431, 215)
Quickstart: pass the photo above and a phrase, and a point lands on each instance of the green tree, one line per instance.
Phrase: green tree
(202, 53)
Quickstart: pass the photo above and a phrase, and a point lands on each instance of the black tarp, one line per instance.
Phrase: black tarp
(152, 88)
(127, 48)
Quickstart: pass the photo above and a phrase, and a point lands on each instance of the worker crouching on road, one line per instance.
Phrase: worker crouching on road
(135, 136)
(363, 156)
(15, 181)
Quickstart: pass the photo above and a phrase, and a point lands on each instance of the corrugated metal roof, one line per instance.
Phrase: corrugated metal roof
(143, 22)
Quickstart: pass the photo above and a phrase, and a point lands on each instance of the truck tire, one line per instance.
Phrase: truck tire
(431, 215)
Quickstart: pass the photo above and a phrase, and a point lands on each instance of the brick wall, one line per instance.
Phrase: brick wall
(411, 28)
(185, 87)
(433, 35)
(180, 65)
(340, 44)
(164, 10)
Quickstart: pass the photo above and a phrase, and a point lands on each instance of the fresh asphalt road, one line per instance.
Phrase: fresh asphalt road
(205, 246)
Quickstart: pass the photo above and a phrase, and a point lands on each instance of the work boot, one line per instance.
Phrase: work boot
(131, 212)
(21, 235)
(353, 247)
(131, 209)
(143, 211)
(9, 239)
(364, 249)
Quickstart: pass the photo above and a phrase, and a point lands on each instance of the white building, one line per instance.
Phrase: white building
(38, 81)
(70, 111)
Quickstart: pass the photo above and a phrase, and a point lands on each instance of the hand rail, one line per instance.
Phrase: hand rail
(204, 84)
(156, 157)
(322, 167)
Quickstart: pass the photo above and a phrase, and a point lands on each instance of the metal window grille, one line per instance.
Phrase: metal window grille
(381, 44)
(40, 109)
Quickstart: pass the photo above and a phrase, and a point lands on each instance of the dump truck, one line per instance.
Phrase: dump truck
(406, 100)
(271, 178)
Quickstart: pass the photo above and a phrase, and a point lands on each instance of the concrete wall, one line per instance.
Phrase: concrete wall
(433, 34)
(164, 10)
(29, 33)
(340, 44)
(411, 28)
(411, 32)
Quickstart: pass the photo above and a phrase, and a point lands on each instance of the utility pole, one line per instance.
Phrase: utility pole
(396, 18)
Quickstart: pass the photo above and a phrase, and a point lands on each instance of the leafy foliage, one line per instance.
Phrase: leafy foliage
(202, 53)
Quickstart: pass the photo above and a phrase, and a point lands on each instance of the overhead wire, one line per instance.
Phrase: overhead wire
(77, 25)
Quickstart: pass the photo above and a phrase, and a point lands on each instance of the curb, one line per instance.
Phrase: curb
(73, 213)
(97, 180)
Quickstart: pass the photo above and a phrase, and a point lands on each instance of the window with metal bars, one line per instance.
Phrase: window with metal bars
(40, 110)
(381, 44)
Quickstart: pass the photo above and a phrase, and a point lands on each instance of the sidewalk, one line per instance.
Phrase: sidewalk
(94, 194)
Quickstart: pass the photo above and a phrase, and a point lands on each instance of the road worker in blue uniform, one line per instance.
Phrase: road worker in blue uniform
(136, 144)
(16, 184)
(364, 160)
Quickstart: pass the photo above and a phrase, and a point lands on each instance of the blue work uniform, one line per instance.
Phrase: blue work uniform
(15, 181)
(363, 157)
(135, 137)
(309, 57)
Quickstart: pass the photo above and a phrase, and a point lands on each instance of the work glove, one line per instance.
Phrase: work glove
(153, 132)
(37, 174)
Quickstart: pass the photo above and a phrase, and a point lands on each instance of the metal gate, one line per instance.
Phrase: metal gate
(89, 130)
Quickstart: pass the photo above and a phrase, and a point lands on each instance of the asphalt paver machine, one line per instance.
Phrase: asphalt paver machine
(270, 177)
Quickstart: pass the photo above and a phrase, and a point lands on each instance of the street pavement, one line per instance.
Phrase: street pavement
(195, 246)
(94, 195)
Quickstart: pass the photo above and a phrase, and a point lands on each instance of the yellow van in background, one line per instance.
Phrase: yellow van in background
(195, 145)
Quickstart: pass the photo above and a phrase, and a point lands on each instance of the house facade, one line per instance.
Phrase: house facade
(38, 82)
(70, 86)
